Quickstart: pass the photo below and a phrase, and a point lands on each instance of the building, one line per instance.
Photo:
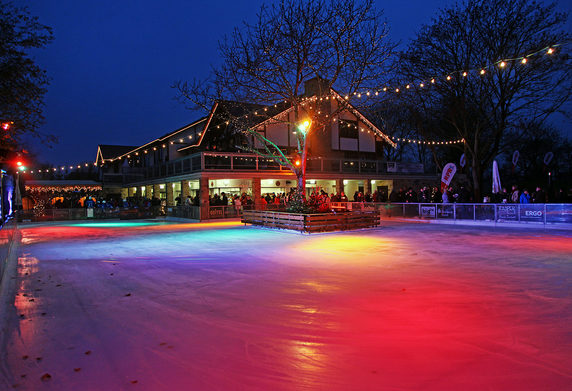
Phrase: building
(205, 157)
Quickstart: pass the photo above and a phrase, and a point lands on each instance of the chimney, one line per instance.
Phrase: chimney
(316, 86)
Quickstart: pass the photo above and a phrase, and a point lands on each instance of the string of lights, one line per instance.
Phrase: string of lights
(522, 60)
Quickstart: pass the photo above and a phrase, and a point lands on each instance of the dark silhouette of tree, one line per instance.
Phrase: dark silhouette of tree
(335, 43)
(483, 87)
(22, 82)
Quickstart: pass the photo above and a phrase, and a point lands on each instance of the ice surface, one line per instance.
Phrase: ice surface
(225, 307)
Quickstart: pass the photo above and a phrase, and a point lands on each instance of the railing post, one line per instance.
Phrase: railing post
(544, 215)
(256, 157)
(474, 212)
(495, 212)
(454, 212)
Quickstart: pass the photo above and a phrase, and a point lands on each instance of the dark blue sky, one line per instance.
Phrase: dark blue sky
(112, 64)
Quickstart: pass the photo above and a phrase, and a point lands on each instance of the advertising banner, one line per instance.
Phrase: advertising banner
(448, 172)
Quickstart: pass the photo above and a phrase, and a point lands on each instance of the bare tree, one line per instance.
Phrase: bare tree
(337, 43)
(22, 82)
(473, 80)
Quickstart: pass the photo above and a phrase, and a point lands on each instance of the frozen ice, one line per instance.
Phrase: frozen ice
(221, 306)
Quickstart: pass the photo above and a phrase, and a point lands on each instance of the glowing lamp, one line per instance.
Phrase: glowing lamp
(304, 126)
(550, 51)
(298, 162)
(502, 64)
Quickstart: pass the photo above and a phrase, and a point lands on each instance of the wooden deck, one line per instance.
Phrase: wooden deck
(319, 222)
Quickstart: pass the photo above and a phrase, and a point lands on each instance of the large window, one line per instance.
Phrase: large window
(348, 129)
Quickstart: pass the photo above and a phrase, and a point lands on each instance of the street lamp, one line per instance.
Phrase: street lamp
(304, 127)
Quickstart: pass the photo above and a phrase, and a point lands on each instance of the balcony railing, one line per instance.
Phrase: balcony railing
(232, 162)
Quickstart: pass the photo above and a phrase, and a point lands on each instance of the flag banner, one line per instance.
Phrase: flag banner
(496, 178)
(448, 171)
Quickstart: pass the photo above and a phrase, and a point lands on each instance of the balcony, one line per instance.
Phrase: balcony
(237, 162)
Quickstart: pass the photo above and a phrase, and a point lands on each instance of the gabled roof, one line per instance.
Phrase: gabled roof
(237, 109)
(160, 139)
(105, 152)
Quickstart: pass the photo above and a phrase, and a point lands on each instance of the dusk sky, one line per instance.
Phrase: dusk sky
(112, 64)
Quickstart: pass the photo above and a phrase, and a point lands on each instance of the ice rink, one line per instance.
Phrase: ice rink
(171, 306)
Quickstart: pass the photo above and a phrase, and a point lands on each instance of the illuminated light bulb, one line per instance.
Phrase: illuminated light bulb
(367, 93)
(164, 146)
(71, 167)
(550, 51)
(421, 85)
(137, 153)
(128, 156)
(384, 89)
(78, 166)
(502, 64)
(154, 148)
(397, 90)
(145, 151)
(190, 137)
(256, 113)
(524, 61)
(56, 169)
(172, 143)
(180, 140)
(464, 74)
(448, 77)
(407, 86)
(432, 81)
(482, 71)
(347, 97)
(376, 93)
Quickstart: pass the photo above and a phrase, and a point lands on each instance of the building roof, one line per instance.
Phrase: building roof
(112, 151)
(61, 183)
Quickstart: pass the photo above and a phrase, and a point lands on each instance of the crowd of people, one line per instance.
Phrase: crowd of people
(319, 199)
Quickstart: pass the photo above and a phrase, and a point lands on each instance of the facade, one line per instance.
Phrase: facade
(204, 157)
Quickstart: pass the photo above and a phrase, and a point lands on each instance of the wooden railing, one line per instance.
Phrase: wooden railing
(319, 222)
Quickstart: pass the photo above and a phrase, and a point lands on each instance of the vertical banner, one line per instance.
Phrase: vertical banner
(448, 171)
(496, 178)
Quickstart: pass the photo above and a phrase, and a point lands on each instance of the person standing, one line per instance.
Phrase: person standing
(524, 197)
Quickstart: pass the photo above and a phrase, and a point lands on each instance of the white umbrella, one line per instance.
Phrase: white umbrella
(496, 178)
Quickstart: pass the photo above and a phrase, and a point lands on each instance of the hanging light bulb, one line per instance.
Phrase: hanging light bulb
(432, 81)
(482, 71)
(464, 74)
(524, 61)
(550, 51)
(448, 77)
(502, 64)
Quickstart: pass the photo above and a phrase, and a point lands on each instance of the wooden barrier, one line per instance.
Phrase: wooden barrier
(319, 222)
